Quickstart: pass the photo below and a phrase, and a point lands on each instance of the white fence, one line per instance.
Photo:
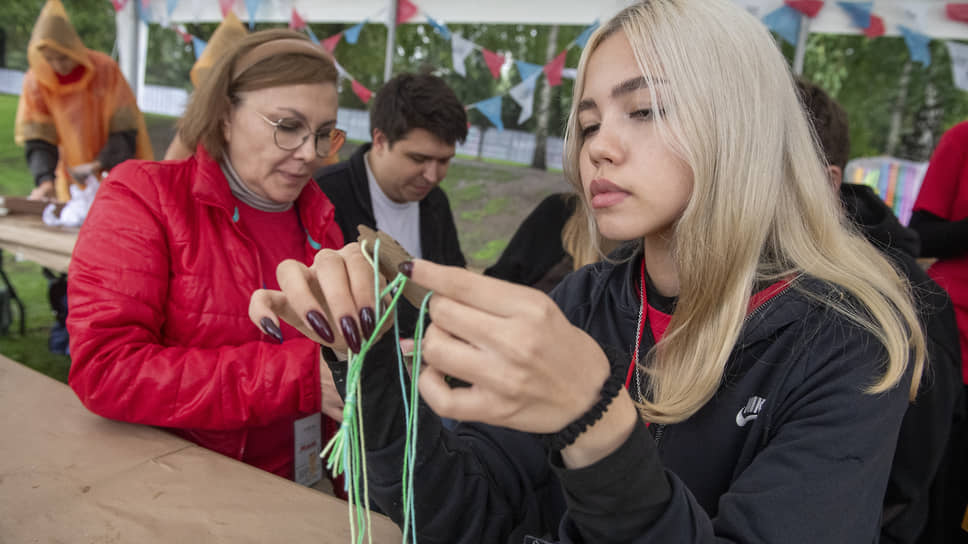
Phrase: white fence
(508, 145)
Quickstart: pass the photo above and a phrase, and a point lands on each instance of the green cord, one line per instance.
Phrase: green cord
(346, 451)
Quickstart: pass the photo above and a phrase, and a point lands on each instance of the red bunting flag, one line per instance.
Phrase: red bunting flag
(553, 69)
(225, 6)
(957, 12)
(810, 8)
(405, 10)
(329, 43)
(362, 91)
(494, 62)
(185, 36)
(119, 4)
(295, 21)
(876, 29)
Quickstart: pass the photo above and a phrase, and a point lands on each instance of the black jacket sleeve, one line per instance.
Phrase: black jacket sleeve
(42, 157)
(940, 238)
(120, 147)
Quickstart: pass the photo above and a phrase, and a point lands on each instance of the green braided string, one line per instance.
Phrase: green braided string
(345, 452)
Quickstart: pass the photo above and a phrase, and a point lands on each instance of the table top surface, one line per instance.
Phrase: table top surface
(68, 475)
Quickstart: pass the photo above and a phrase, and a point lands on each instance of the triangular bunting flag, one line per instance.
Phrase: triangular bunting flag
(917, 44)
(876, 29)
(405, 10)
(460, 48)
(252, 6)
(295, 21)
(957, 12)
(183, 32)
(582, 38)
(494, 62)
(225, 6)
(553, 69)
(353, 33)
(569, 73)
(810, 8)
(785, 21)
(959, 63)
(170, 6)
(441, 28)
(119, 4)
(329, 43)
(312, 35)
(757, 8)
(523, 94)
(144, 11)
(526, 69)
(362, 91)
(343, 74)
(859, 12)
(198, 45)
(491, 108)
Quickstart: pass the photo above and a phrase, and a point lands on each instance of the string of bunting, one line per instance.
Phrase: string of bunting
(781, 16)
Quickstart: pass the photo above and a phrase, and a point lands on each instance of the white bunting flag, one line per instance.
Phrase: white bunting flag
(959, 63)
(523, 94)
(759, 8)
(917, 13)
(460, 49)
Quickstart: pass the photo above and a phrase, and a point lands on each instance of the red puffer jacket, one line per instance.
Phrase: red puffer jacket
(159, 286)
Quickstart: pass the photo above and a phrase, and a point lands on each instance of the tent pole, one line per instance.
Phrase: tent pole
(127, 24)
(801, 45)
(391, 39)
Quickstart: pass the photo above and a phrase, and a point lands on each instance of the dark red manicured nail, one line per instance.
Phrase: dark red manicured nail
(367, 321)
(319, 324)
(406, 268)
(350, 333)
(271, 329)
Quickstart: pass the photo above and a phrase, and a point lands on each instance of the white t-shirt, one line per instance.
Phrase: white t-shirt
(401, 221)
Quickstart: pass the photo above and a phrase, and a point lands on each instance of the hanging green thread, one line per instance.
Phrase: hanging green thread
(346, 451)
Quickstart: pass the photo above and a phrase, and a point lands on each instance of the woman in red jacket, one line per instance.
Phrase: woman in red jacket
(164, 265)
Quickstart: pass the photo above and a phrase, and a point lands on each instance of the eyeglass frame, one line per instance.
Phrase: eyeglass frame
(332, 135)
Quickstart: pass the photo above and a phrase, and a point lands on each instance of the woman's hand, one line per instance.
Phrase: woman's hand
(43, 191)
(82, 171)
(331, 302)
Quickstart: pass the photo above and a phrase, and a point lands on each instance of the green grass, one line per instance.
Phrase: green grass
(491, 251)
(30, 284)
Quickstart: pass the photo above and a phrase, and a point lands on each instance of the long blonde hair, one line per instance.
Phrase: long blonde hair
(761, 207)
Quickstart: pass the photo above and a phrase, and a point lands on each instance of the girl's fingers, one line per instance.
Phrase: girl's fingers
(490, 295)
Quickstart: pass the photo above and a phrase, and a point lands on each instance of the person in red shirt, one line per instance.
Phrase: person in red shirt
(160, 278)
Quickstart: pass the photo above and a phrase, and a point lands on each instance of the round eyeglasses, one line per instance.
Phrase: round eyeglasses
(291, 134)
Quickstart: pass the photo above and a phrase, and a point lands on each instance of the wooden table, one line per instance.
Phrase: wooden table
(67, 475)
(27, 237)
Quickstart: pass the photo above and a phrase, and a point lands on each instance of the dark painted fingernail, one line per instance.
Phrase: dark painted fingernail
(367, 321)
(271, 329)
(319, 324)
(350, 333)
(406, 268)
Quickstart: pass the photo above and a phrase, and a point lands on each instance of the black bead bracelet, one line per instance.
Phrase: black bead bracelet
(567, 436)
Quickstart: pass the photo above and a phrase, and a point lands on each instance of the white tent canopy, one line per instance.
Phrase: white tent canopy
(925, 16)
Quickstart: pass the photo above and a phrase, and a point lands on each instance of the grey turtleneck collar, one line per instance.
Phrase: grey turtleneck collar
(242, 191)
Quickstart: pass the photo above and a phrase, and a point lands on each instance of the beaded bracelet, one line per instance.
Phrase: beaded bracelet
(567, 436)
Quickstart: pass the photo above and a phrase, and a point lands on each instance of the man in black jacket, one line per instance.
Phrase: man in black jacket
(392, 183)
(917, 505)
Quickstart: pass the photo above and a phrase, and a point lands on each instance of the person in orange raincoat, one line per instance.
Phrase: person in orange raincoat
(228, 33)
(77, 115)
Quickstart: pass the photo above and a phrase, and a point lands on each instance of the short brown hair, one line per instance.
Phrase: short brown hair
(212, 102)
(411, 101)
(829, 121)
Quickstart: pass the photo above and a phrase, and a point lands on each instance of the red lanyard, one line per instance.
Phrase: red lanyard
(659, 321)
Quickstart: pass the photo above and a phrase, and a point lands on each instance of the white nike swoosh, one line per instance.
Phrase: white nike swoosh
(742, 420)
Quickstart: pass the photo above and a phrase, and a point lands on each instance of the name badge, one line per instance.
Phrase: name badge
(308, 467)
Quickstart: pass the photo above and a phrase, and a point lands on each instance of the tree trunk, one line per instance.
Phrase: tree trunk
(897, 115)
(540, 160)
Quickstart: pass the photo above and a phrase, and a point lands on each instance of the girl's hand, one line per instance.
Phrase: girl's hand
(529, 368)
(331, 302)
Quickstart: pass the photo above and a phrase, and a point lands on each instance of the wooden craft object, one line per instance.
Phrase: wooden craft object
(391, 255)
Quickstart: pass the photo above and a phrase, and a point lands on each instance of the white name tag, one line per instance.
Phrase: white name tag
(306, 462)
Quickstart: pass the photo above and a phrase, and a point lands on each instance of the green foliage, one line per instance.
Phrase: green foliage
(15, 178)
(491, 251)
(93, 19)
